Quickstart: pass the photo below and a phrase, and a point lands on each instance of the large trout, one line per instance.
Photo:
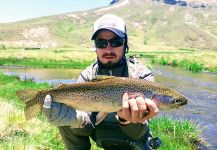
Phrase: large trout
(103, 94)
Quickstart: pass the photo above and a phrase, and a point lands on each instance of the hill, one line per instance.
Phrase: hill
(151, 24)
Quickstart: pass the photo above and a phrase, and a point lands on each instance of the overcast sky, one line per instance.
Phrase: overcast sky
(15, 10)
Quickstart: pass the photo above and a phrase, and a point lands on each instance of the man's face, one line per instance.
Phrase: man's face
(109, 55)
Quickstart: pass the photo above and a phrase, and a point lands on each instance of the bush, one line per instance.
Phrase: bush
(2, 47)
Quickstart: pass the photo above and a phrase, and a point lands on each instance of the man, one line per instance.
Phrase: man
(126, 129)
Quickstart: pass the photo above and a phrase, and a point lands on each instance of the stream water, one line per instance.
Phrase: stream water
(200, 88)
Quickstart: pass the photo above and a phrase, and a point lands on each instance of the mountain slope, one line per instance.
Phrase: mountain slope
(150, 24)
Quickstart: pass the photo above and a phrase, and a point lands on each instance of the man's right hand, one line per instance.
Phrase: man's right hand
(60, 114)
(137, 110)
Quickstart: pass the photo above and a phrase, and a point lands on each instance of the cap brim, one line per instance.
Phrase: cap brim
(115, 31)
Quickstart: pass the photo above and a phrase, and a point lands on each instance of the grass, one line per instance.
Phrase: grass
(53, 58)
(190, 59)
(175, 134)
(196, 61)
(43, 63)
(17, 133)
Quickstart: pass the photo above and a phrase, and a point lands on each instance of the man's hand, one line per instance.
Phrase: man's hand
(62, 115)
(137, 109)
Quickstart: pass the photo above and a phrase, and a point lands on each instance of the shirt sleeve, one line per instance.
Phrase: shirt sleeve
(144, 73)
(86, 75)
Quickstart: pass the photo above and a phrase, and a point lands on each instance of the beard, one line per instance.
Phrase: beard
(110, 64)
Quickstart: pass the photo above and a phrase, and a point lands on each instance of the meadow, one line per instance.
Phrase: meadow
(189, 59)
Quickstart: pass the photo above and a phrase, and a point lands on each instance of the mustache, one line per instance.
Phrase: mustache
(109, 54)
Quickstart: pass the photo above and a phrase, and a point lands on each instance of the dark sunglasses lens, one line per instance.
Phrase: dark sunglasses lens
(117, 42)
(101, 43)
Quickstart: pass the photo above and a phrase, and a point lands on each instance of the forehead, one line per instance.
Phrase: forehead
(105, 34)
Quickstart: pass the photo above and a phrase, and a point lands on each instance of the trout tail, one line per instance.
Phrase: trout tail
(33, 102)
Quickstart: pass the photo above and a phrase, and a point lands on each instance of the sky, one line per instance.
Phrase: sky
(16, 10)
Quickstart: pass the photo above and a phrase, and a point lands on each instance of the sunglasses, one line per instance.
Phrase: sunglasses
(114, 42)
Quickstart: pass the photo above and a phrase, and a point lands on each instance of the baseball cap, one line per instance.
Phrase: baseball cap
(112, 23)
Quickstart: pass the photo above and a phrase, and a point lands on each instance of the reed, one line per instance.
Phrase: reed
(194, 61)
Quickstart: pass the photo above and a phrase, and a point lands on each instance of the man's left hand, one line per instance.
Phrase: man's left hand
(137, 110)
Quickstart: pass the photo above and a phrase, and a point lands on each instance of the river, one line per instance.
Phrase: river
(200, 88)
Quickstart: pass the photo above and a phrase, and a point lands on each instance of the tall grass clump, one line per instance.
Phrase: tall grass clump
(192, 65)
(2, 47)
(180, 133)
(194, 61)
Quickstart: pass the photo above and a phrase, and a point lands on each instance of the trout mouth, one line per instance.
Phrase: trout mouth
(180, 101)
(177, 102)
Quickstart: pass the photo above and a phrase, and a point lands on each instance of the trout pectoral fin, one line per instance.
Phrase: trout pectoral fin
(100, 117)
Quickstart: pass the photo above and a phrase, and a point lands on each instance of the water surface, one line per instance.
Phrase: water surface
(201, 89)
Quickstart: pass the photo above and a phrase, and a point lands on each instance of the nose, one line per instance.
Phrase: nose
(109, 47)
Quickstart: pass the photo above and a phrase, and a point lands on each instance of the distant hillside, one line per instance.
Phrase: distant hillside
(150, 24)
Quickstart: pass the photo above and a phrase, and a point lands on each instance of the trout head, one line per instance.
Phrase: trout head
(167, 101)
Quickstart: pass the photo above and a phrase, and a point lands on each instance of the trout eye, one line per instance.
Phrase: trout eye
(180, 101)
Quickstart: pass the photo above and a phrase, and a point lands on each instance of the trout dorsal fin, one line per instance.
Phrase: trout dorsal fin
(101, 78)
(27, 94)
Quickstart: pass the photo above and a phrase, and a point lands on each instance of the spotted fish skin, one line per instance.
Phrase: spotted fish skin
(102, 94)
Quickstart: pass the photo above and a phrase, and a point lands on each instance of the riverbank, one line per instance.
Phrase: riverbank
(16, 133)
(52, 58)
(190, 59)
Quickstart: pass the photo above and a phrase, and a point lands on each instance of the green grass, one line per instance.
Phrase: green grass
(187, 64)
(17, 133)
(52, 58)
(190, 59)
(177, 135)
(194, 61)
(43, 63)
